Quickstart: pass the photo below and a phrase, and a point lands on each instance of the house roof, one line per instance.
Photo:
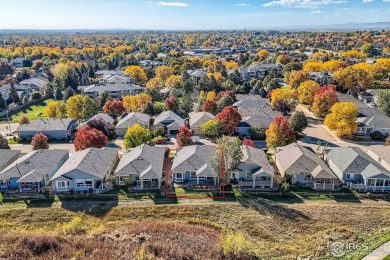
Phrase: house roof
(6, 155)
(257, 116)
(34, 81)
(295, 159)
(47, 124)
(150, 63)
(199, 73)
(33, 166)
(109, 72)
(132, 119)
(195, 158)
(367, 115)
(257, 157)
(382, 151)
(167, 115)
(92, 161)
(252, 103)
(354, 160)
(145, 160)
(106, 118)
(198, 118)
(118, 86)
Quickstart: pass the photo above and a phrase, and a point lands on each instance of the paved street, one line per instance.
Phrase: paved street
(317, 132)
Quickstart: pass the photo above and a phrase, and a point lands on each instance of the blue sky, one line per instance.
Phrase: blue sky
(186, 14)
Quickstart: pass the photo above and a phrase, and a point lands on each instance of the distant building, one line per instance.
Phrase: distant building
(54, 129)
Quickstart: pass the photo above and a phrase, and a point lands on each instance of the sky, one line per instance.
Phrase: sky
(187, 14)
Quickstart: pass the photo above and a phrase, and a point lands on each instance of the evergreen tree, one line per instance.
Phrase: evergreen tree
(68, 93)
(72, 79)
(91, 72)
(58, 94)
(13, 94)
(49, 90)
(103, 98)
(3, 105)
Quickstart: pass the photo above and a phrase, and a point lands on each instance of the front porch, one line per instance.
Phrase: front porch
(257, 185)
(197, 185)
(29, 187)
(372, 185)
(324, 184)
(138, 184)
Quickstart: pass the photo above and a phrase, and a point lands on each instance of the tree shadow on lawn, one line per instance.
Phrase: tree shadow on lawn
(39, 203)
(265, 206)
(161, 200)
(98, 207)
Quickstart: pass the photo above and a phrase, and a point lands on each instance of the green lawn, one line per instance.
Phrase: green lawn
(31, 111)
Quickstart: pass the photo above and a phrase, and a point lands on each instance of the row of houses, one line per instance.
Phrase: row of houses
(255, 111)
(24, 88)
(145, 168)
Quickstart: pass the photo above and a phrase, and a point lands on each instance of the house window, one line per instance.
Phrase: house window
(348, 176)
(371, 182)
(193, 175)
(61, 184)
(179, 175)
(379, 182)
(249, 174)
(80, 183)
(88, 183)
(387, 182)
(209, 178)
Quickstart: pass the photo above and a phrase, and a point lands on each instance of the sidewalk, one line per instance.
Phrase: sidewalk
(379, 253)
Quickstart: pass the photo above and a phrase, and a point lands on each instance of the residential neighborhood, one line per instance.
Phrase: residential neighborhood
(195, 130)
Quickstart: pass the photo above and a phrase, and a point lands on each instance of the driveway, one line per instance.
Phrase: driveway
(316, 133)
(4, 128)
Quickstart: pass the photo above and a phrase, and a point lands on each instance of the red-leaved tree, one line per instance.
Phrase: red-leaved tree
(171, 104)
(114, 108)
(183, 137)
(229, 119)
(324, 98)
(209, 105)
(279, 133)
(229, 93)
(89, 137)
(248, 142)
(39, 141)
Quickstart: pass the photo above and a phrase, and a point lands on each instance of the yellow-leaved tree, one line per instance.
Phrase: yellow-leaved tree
(263, 54)
(137, 73)
(296, 78)
(306, 91)
(56, 109)
(136, 103)
(341, 118)
(174, 81)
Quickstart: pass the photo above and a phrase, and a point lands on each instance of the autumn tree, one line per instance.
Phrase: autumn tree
(184, 137)
(283, 100)
(296, 78)
(211, 128)
(306, 91)
(81, 107)
(23, 120)
(136, 103)
(263, 54)
(171, 104)
(39, 141)
(358, 75)
(342, 118)
(114, 108)
(353, 54)
(163, 73)
(283, 59)
(225, 101)
(209, 105)
(298, 121)
(383, 101)
(279, 133)
(137, 73)
(381, 68)
(248, 142)
(88, 137)
(136, 135)
(324, 98)
(56, 109)
(107, 128)
(174, 82)
(229, 119)
(3, 143)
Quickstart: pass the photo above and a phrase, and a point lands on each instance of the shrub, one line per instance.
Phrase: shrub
(377, 136)
(236, 246)
(24, 120)
(38, 245)
(74, 227)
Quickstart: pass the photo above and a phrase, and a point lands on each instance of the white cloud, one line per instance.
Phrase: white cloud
(246, 5)
(317, 12)
(304, 3)
(367, 1)
(175, 4)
